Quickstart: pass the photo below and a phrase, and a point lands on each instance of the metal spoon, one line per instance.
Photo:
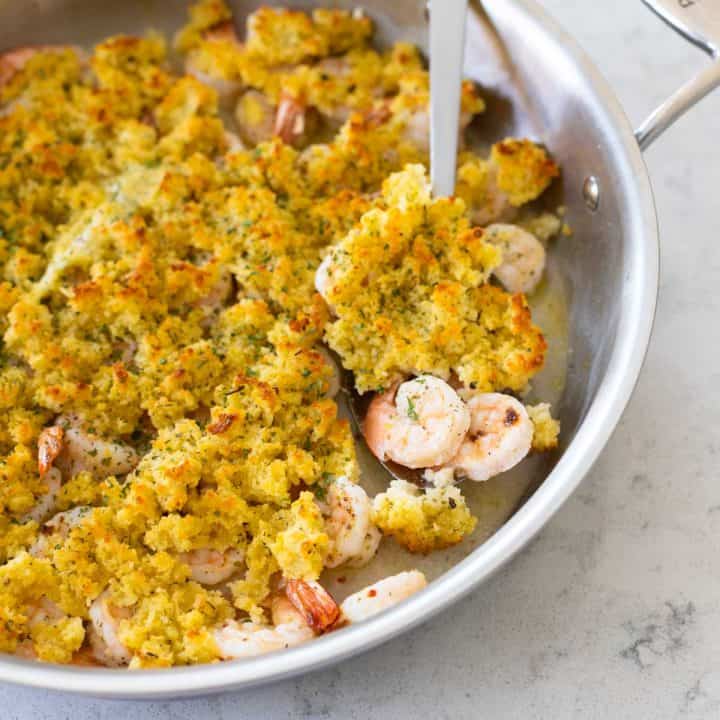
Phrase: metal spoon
(447, 45)
(447, 49)
(357, 406)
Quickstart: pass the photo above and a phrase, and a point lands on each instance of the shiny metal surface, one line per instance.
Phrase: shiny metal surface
(609, 270)
(446, 45)
(591, 193)
(699, 22)
(696, 20)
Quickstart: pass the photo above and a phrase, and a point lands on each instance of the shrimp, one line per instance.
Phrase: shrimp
(422, 424)
(26, 650)
(334, 380)
(247, 639)
(258, 120)
(323, 279)
(126, 349)
(212, 303)
(325, 271)
(496, 204)
(417, 128)
(226, 88)
(84, 452)
(380, 596)
(337, 69)
(13, 61)
(523, 257)
(500, 437)
(255, 117)
(45, 610)
(84, 658)
(314, 603)
(339, 72)
(104, 625)
(42, 611)
(354, 539)
(292, 121)
(211, 567)
(50, 444)
(525, 171)
(60, 525)
(46, 502)
(233, 143)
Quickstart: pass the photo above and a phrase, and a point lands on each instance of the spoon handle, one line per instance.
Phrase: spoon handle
(447, 47)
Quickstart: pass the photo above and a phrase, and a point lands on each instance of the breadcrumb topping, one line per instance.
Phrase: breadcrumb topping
(157, 302)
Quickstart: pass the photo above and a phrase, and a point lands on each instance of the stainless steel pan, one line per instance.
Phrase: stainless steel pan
(540, 83)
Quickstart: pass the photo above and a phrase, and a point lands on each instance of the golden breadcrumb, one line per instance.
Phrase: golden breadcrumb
(159, 316)
(423, 520)
(545, 428)
(408, 286)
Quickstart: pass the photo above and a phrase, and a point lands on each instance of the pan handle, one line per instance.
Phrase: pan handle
(699, 22)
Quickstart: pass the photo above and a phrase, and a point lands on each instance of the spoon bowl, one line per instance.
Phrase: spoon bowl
(355, 407)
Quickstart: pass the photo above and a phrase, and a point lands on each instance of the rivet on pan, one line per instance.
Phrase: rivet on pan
(426, 11)
(591, 192)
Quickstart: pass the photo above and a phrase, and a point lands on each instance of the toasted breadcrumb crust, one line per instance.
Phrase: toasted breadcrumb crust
(156, 291)
(423, 520)
(546, 428)
(409, 288)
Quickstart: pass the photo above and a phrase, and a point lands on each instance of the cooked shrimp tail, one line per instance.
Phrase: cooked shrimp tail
(290, 120)
(50, 445)
(314, 602)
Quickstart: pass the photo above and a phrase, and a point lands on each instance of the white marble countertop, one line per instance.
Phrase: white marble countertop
(614, 611)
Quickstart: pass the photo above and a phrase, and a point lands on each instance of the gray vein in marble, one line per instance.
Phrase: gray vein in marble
(660, 635)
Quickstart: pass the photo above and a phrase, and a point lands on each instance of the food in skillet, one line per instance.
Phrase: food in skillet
(174, 478)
